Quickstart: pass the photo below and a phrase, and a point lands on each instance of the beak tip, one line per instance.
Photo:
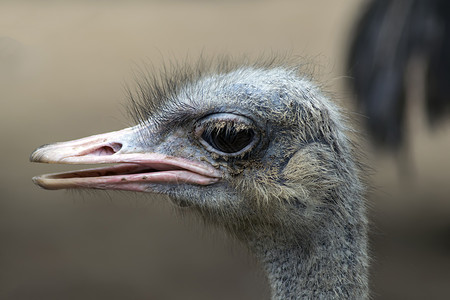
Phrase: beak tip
(36, 180)
(40, 181)
(32, 157)
(45, 154)
(36, 155)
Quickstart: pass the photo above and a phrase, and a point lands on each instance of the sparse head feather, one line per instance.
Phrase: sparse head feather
(157, 86)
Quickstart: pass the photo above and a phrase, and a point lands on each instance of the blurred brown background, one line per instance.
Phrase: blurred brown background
(63, 65)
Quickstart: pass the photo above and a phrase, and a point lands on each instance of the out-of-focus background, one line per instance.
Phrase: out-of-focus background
(63, 65)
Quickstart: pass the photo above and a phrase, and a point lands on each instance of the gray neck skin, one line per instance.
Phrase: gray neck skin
(333, 265)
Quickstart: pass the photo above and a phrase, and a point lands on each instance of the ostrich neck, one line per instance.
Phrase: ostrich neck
(333, 265)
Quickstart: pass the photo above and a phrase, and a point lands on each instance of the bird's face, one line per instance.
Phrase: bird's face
(227, 146)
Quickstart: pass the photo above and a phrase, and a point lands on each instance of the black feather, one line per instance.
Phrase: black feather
(387, 38)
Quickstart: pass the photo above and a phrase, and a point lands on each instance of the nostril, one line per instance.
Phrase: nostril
(115, 147)
(109, 149)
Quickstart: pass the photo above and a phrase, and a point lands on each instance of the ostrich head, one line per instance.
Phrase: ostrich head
(257, 150)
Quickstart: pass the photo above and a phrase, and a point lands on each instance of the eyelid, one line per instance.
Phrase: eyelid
(227, 117)
(222, 118)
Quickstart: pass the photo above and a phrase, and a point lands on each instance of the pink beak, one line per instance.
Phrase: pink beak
(134, 170)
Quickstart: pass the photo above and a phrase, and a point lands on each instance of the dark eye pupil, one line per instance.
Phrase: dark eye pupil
(228, 139)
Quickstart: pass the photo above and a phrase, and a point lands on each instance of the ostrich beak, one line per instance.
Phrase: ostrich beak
(133, 169)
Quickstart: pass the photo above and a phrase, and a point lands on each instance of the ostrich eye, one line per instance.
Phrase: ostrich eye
(227, 134)
(228, 139)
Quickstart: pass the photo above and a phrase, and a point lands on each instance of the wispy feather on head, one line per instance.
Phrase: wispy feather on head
(157, 87)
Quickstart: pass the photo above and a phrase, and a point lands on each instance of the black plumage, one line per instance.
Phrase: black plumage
(389, 36)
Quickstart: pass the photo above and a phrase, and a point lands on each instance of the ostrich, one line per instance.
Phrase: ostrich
(255, 149)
